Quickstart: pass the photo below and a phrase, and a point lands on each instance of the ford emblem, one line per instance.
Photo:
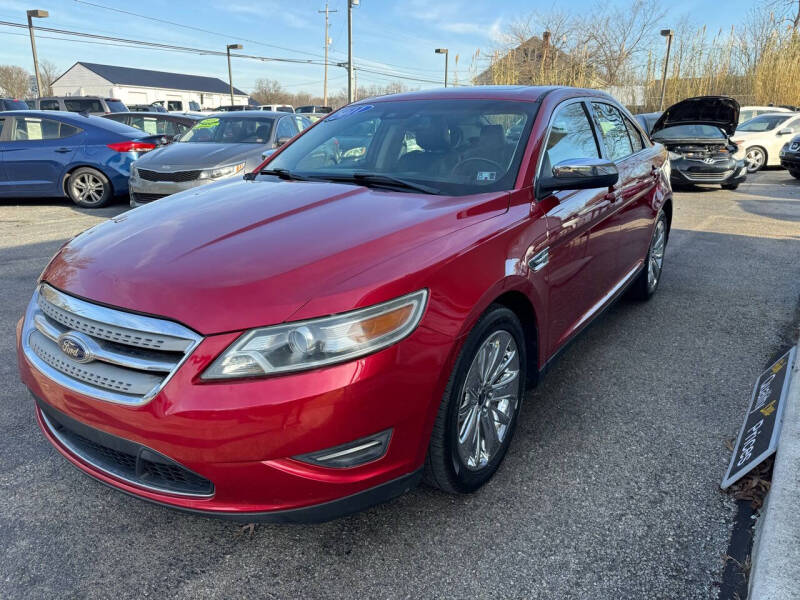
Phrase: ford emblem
(75, 348)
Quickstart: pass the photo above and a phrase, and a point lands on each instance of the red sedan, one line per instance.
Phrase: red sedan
(361, 312)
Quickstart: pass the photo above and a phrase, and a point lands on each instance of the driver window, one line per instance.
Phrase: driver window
(571, 136)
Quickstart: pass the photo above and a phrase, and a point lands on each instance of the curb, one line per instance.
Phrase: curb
(775, 570)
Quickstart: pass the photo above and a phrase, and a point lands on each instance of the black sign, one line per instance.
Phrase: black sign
(762, 425)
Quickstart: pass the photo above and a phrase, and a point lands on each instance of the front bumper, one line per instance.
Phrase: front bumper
(694, 171)
(242, 436)
(790, 160)
(143, 192)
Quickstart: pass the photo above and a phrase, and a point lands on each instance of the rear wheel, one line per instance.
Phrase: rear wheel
(795, 174)
(730, 186)
(478, 414)
(647, 281)
(89, 188)
(755, 158)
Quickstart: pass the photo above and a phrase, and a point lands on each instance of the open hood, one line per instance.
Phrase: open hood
(720, 111)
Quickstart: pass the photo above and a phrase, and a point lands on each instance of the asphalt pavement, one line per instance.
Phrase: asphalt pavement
(610, 488)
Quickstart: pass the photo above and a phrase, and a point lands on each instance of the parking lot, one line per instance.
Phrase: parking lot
(610, 488)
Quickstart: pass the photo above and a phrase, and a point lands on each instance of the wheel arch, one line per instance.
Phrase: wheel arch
(667, 207)
(518, 303)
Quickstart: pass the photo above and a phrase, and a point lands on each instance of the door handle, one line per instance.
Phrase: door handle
(62, 150)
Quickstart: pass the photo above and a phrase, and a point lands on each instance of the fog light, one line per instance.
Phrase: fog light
(352, 454)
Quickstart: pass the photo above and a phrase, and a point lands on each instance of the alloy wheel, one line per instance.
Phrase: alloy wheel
(656, 257)
(88, 188)
(488, 400)
(754, 159)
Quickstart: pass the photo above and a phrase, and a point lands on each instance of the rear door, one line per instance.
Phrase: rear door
(580, 257)
(36, 152)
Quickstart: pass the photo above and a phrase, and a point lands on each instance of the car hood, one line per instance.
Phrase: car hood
(719, 111)
(234, 255)
(198, 155)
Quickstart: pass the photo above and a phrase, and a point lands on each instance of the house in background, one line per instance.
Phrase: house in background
(143, 86)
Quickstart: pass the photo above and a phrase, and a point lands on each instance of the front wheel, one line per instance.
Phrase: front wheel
(478, 414)
(795, 174)
(89, 188)
(647, 281)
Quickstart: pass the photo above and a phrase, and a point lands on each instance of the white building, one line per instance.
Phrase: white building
(142, 86)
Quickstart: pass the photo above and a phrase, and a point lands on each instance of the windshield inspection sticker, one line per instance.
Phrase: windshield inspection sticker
(348, 111)
(758, 438)
(486, 176)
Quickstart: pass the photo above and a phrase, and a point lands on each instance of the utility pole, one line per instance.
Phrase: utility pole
(327, 43)
(667, 33)
(38, 14)
(230, 73)
(350, 70)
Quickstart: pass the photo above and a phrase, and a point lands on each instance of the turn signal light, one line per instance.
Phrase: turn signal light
(131, 146)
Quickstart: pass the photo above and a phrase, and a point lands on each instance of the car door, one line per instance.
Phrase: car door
(630, 216)
(36, 152)
(3, 176)
(579, 260)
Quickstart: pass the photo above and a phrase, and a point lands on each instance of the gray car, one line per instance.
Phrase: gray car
(220, 146)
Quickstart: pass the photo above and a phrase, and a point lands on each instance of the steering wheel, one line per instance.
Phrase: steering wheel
(487, 161)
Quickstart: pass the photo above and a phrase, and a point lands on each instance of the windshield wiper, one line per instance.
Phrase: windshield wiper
(284, 174)
(379, 180)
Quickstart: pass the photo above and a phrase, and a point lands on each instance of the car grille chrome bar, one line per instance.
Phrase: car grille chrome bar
(123, 357)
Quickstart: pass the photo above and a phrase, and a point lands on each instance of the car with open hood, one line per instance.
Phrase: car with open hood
(322, 334)
(217, 147)
(696, 132)
(762, 138)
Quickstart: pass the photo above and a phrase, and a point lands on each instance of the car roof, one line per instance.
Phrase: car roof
(770, 108)
(237, 114)
(500, 92)
(160, 115)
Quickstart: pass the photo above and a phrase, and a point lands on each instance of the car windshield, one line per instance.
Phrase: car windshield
(116, 106)
(688, 132)
(454, 147)
(763, 123)
(230, 130)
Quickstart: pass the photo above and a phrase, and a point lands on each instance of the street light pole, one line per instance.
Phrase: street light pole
(667, 33)
(38, 14)
(350, 90)
(446, 58)
(327, 43)
(230, 47)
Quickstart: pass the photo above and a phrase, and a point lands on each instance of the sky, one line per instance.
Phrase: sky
(397, 38)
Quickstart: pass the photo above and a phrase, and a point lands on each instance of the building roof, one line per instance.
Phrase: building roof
(159, 79)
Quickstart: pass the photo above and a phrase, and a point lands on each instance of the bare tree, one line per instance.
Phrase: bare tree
(14, 81)
(788, 10)
(48, 72)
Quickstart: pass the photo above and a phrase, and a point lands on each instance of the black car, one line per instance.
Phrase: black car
(157, 123)
(790, 157)
(647, 120)
(12, 104)
(696, 132)
(147, 108)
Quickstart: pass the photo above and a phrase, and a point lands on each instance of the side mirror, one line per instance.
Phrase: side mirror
(580, 174)
(267, 153)
(786, 131)
(281, 141)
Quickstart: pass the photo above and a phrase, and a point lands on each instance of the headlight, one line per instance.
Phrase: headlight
(221, 172)
(674, 156)
(309, 344)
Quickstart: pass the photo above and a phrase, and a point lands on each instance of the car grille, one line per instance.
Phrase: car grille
(698, 176)
(144, 198)
(125, 357)
(174, 176)
(123, 458)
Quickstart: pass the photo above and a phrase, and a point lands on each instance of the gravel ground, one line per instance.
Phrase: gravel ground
(610, 488)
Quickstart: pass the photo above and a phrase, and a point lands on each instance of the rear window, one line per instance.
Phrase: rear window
(116, 105)
(91, 105)
(683, 132)
(13, 105)
(285, 109)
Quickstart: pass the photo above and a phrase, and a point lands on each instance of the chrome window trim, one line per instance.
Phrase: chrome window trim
(110, 316)
(76, 452)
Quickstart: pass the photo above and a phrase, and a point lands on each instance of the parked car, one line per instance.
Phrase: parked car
(93, 105)
(313, 109)
(790, 156)
(147, 108)
(217, 147)
(181, 106)
(234, 108)
(12, 104)
(763, 136)
(647, 120)
(317, 337)
(696, 132)
(166, 124)
(276, 107)
(50, 153)
(748, 112)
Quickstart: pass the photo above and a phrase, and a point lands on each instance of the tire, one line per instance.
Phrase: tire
(795, 174)
(89, 188)
(755, 158)
(730, 186)
(643, 286)
(464, 467)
